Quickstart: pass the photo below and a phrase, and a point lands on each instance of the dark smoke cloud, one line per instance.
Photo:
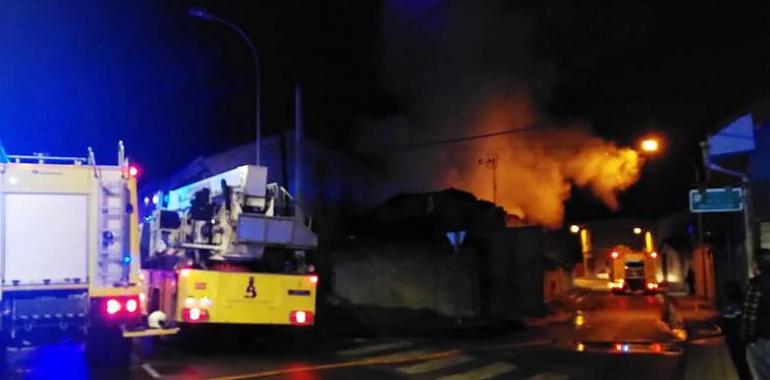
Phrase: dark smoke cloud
(463, 68)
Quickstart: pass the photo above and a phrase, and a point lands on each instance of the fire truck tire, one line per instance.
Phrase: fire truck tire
(3, 354)
(106, 347)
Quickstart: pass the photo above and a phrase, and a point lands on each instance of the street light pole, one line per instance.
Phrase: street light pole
(204, 14)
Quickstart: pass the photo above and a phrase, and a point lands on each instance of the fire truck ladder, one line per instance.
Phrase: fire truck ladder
(114, 260)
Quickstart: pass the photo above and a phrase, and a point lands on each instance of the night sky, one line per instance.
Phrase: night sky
(174, 87)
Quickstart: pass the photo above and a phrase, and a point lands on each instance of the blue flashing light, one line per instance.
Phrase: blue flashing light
(126, 259)
(625, 348)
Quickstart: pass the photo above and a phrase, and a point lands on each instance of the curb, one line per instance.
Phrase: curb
(673, 319)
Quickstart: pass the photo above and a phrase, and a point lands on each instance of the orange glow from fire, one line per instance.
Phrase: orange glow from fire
(536, 169)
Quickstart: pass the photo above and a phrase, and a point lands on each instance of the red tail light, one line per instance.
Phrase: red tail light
(313, 279)
(132, 305)
(618, 347)
(133, 171)
(656, 348)
(614, 254)
(112, 306)
(194, 314)
(120, 306)
(654, 255)
(301, 317)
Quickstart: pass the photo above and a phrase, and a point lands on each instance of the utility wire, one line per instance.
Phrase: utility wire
(466, 138)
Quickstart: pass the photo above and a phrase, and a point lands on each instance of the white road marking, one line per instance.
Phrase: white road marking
(151, 371)
(483, 373)
(400, 355)
(548, 376)
(374, 348)
(435, 365)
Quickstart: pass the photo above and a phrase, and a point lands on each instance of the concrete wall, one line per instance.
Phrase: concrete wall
(514, 278)
(500, 278)
(408, 274)
(555, 283)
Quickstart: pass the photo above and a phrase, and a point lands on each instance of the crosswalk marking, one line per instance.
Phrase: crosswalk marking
(483, 373)
(435, 365)
(374, 348)
(399, 355)
(548, 376)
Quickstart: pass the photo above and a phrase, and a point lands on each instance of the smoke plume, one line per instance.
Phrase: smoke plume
(470, 72)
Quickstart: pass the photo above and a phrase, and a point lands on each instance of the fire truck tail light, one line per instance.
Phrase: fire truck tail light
(301, 317)
(615, 254)
(313, 279)
(194, 314)
(112, 306)
(132, 305)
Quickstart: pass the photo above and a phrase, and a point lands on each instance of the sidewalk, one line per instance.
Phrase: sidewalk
(709, 359)
(590, 283)
(705, 358)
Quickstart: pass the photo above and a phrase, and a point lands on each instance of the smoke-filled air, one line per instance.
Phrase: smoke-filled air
(533, 170)
(455, 82)
(536, 168)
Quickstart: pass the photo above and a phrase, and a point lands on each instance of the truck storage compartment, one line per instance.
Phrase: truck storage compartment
(45, 239)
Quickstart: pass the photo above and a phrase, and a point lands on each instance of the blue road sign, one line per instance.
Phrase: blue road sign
(721, 199)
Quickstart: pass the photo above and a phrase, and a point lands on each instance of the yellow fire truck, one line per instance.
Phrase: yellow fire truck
(69, 249)
(633, 271)
(229, 249)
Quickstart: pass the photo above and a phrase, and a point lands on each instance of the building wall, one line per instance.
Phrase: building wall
(556, 282)
(500, 277)
(403, 274)
(514, 280)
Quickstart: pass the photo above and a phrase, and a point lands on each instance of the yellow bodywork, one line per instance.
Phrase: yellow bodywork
(80, 179)
(245, 298)
(618, 265)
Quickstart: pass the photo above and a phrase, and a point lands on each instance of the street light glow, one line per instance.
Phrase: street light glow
(637, 230)
(574, 228)
(650, 145)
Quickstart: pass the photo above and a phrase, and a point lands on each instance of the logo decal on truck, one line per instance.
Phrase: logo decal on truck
(251, 291)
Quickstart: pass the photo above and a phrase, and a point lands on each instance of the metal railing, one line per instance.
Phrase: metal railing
(43, 159)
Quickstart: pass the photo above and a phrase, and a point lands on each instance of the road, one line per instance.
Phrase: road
(590, 347)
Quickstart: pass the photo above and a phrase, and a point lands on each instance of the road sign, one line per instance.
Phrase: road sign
(716, 200)
(456, 238)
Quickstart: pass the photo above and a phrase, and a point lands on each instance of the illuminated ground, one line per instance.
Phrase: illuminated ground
(609, 326)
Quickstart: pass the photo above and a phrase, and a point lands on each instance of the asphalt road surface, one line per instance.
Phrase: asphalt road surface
(615, 337)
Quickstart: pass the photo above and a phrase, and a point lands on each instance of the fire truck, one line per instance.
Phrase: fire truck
(633, 271)
(229, 249)
(69, 249)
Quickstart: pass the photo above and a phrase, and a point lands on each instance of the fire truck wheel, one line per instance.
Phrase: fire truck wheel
(3, 354)
(106, 347)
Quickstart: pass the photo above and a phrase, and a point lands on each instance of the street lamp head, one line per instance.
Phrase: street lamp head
(637, 231)
(201, 13)
(650, 145)
(574, 228)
